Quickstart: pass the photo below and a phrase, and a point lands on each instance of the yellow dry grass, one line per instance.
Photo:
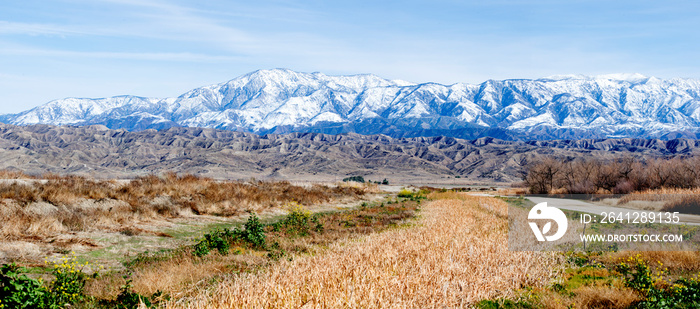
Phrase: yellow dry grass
(512, 191)
(40, 209)
(175, 277)
(454, 256)
(591, 297)
(662, 194)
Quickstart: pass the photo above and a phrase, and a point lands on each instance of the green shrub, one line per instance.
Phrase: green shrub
(354, 178)
(19, 291)
(683, 293)
(218, 239)
(70, 280)
(221, 240)
(637, 274)
(299, 221)
(254, 232)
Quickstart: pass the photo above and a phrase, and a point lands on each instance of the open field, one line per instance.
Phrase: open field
(353, 249)
(454, 256)
(58, 214)
(170, 255)
(179, 272)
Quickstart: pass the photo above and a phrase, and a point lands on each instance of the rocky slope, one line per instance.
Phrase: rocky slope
(101, 152)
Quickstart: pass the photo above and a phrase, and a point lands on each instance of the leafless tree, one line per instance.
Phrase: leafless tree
(540, 178)
(623, 175)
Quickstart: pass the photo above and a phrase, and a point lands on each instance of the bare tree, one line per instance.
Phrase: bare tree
(624, 175)
(540, 178)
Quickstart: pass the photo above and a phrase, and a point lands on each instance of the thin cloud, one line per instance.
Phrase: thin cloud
(184, 57)
(8, 27)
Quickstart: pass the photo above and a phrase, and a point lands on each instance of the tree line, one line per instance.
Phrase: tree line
(618, 176)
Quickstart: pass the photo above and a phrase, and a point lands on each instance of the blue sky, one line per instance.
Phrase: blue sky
(161, 48)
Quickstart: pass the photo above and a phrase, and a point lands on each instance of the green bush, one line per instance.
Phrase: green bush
(637, 274)
(19, 291)
(254, 232)
(221, 240)
(683, 293)
(354, 178)
(218, 239)
(299, 221)
(70, 280)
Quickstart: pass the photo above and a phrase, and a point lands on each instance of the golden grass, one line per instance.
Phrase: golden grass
(11, 174)
(512, 191)
(588, 297)
(603, 297)
(687, 204)
(178, 273)
(178, 276)
(77, 202)
(40, 210)
(656, 195)
(455, 256)
(667, 199)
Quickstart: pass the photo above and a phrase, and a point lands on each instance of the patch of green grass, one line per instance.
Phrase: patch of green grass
(185, 230)
(517, 201)
(587, 276)
(148, 257)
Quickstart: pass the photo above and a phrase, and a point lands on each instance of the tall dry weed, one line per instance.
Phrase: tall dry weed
(39, 208)
(454, 256)
(655, 195)
(12, 174)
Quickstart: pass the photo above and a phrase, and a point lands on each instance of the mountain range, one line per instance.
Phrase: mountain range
(103, 153)
(283, 101)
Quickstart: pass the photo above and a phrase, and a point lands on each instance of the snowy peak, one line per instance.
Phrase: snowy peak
(282, 100)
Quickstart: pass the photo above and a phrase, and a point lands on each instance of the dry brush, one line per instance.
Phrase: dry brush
(43, 210)
(454, 256)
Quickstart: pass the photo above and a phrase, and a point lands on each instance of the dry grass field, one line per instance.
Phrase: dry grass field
(397, 251)
(454, 256)
(179, 273)
(52, 214)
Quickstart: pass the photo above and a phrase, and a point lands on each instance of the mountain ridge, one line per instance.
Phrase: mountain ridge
(282, 101)
(104, 153)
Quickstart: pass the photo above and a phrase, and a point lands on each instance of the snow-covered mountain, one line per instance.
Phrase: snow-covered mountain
(281, 101)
